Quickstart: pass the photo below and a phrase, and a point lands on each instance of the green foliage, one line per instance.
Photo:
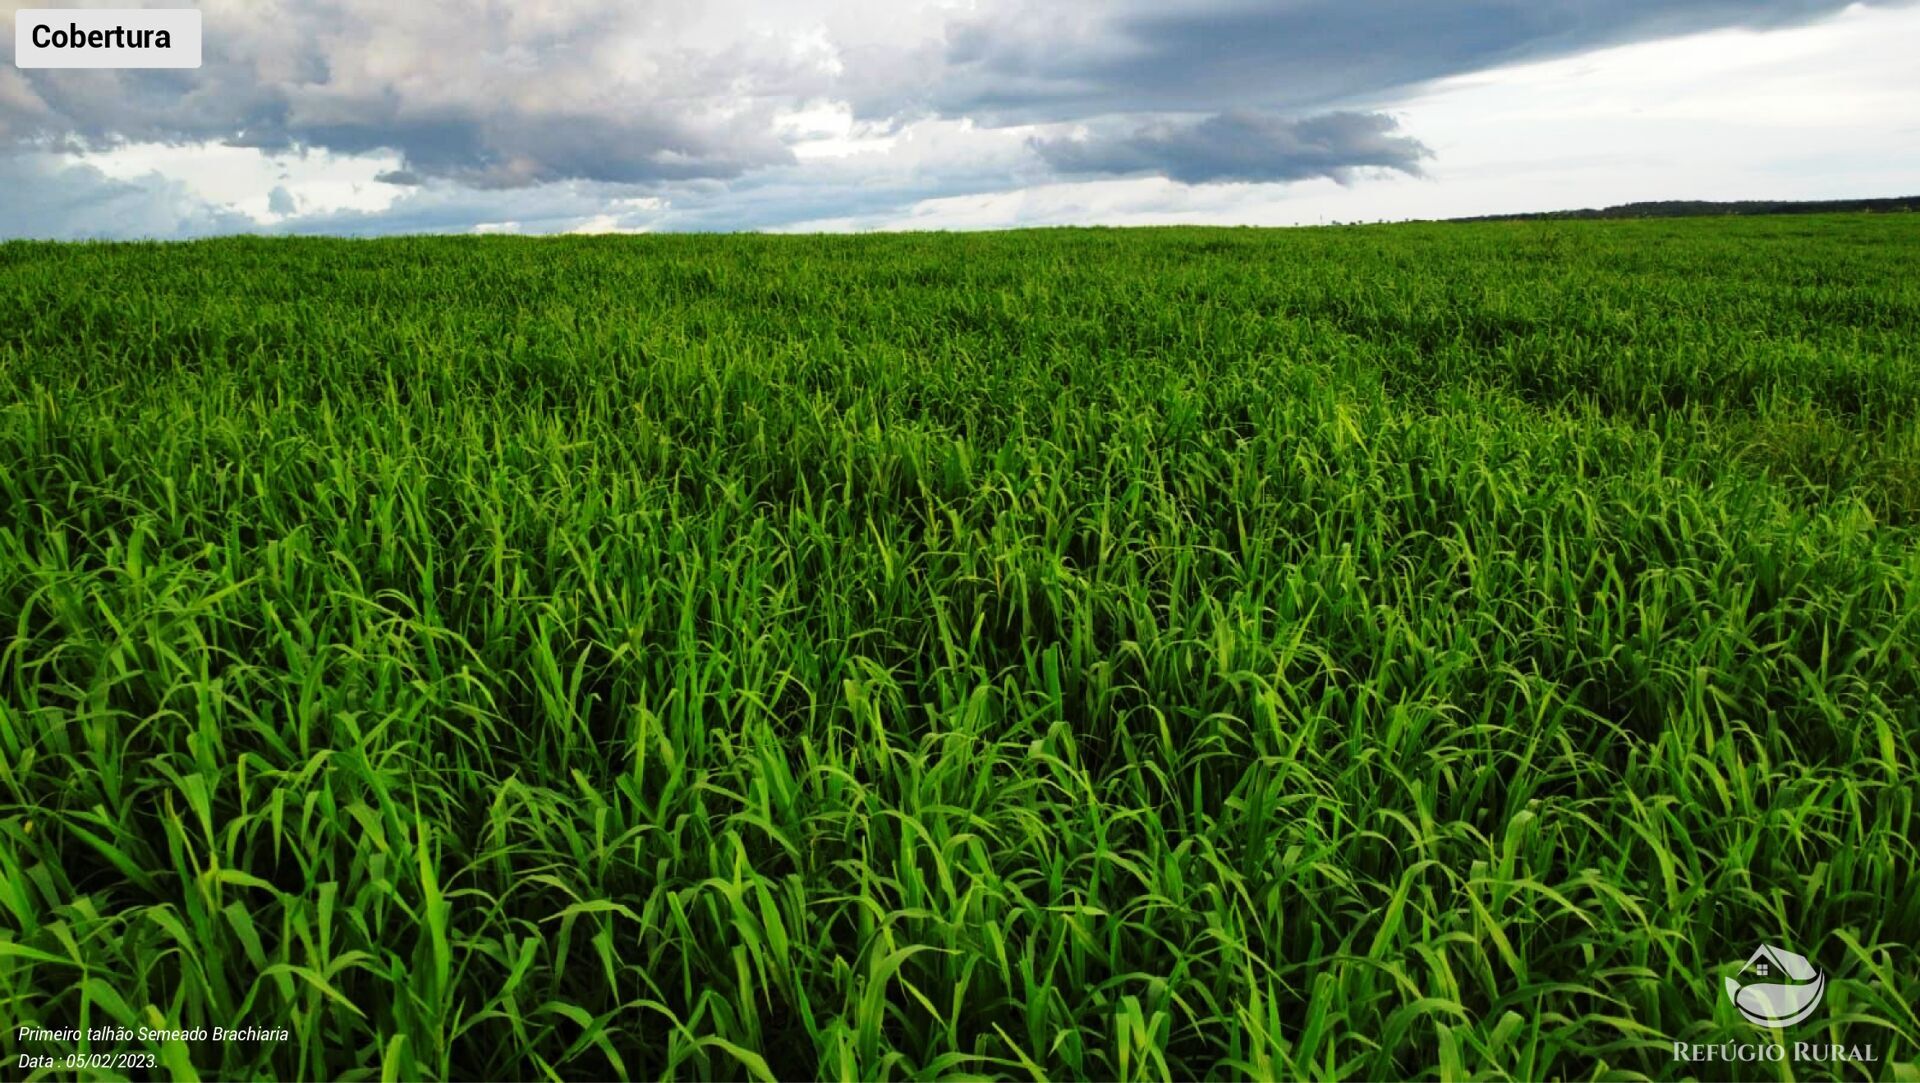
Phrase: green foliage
(1417, 651)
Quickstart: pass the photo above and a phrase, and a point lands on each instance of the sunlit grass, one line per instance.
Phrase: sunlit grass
(1388, 652)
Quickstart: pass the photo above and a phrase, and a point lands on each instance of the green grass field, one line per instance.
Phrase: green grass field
(1432, 651)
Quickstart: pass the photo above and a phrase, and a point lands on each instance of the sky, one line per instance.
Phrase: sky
(364, 117)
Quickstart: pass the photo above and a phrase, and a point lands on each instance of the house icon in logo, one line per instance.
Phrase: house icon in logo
(1776, 988)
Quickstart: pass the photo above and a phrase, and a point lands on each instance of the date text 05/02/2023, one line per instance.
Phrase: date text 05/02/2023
(74, 1061)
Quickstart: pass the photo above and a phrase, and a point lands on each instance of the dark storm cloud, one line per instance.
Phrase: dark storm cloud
(1243, 146)
(1050, 60)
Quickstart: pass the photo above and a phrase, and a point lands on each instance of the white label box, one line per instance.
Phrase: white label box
(106, 38)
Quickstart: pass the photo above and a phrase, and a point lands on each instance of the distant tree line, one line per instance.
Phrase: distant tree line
(1686, 208)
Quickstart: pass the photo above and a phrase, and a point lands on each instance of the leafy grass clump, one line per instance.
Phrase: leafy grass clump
(1415, 651)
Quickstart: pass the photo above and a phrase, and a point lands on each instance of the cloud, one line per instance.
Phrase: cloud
(1030, 61)
(51, 200)
(444, 207)
(1243, 147)
(762, 113)
(925, 160)
(492, 96)
(512, 95)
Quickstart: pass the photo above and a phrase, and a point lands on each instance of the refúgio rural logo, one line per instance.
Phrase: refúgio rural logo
(1776, 988)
